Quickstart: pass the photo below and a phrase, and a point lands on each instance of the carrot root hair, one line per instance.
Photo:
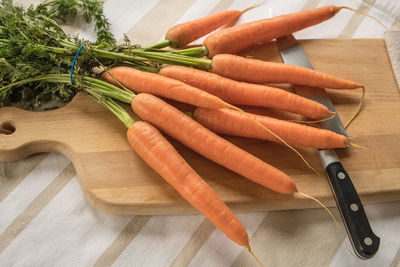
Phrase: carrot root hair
(115, 79)
(374, 158)
(322, 205)
(105, 69)
(255, 257)
(367, 15)
(333, 114)
(276, 136)
(332, 217)
(358, 110)
(256, 4)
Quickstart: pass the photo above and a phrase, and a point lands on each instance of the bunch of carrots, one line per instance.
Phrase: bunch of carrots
(226, 80)
(213, 80)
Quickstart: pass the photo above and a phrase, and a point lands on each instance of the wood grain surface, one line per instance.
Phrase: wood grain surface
(115, 180)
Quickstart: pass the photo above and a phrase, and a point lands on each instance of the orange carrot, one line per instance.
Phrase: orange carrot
(230, 122)
(162, 157)
(193, 135)
(259, 71)
(234, 39)
(177, 90)
(185, 33)
(144, 82)
(240, 93)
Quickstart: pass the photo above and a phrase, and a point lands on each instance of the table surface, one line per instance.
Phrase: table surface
(34, 230)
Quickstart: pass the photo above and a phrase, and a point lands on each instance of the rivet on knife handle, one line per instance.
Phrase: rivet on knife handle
(363, 239)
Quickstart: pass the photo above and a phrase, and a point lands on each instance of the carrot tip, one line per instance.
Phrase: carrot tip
(275, 135)
(364, 14)
(256, 4)
(255, 257)
(322, 205)
(332, 115)
(358, 110)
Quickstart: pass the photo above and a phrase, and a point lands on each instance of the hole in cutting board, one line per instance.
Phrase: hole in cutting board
(7, 128)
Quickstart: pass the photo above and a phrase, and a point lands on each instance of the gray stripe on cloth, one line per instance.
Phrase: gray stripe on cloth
(369, 2)
(356, 20)
(396, 24)
(157, 22)
(311, 4)
(222, 5)
(392, 40)
(396, 260)
(191, 248)
(13, 173)
(115, 249)
(296, 231)
(36, 206)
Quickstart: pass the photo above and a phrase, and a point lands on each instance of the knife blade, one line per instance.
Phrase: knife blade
(365, 243)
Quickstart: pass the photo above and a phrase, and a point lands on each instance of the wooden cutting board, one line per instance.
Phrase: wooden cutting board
(115, 180)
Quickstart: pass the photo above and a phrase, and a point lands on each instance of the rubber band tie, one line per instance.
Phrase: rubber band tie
(73, 63)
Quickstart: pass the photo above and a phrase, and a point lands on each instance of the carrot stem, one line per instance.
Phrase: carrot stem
(137, 65)
(88, 84)
(161, 44)
(119, 94)
(101, 53)
(49, 78)
(174, 59)
(123, 95)
(98, 89)
(139, 55)
(200, 51)
(113, 55)
(112, 106)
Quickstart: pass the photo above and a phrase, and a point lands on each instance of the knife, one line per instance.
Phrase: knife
(365, 243)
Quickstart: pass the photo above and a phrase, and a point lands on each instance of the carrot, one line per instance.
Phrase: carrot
(182, 34)
(162, 157)
(259, 71)
(193, 135)
(254, 70)
(239, 37)
(144, 82)
(234, 39)
(136, 80)
(230, 122)
(240, 93)
(155, 150)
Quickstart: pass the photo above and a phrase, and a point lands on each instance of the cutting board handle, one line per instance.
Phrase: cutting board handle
(26, 132)
(21, 135)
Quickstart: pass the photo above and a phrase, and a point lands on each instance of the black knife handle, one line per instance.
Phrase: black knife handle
(363, 239)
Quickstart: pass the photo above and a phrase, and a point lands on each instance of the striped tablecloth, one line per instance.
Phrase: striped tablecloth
(45, 220)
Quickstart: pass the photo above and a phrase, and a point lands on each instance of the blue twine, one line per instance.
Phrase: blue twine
(73, 63)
